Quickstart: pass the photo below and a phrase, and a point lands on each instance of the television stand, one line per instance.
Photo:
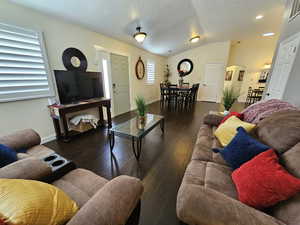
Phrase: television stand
(59, 112)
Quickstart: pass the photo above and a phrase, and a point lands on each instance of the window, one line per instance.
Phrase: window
(150, 72)
(105, 76)
(295, 9)
(24, 71)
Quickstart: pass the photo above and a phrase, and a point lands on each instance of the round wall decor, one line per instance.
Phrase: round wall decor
(74, 59)
(186, 66)
(140, 69)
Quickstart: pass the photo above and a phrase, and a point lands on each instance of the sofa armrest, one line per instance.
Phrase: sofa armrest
(23, 139)
(198, 205)
(212, 120)
(112, 204)
(30, 168)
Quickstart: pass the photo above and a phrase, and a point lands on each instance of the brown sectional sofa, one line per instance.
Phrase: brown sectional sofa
(208, 196)
(101, 202)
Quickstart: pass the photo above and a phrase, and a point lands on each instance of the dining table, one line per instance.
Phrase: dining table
(179, 95)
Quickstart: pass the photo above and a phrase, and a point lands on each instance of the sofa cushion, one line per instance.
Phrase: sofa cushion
(80, 185)
(205, 142)
(281, 130)
(212, 119)
(39, 151)
(22, 139)
(291, 160)
(263, 182)
(226, 131)
(241, 149)
(287, 211)
(210, 175)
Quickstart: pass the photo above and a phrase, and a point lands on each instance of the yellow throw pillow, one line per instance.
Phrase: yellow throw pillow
(28, 202)
(227, 130)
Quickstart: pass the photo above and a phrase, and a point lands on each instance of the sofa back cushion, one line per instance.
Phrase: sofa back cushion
(281, 130)
(288, 211)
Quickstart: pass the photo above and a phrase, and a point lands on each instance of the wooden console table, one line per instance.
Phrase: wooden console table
(58, 113)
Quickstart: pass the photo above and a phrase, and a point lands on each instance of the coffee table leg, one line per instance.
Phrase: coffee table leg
(111, 138)
(162, 125)
(137, 147)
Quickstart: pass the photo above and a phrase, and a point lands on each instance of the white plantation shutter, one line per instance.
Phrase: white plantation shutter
(23, 64)
(295, 9)
(150, 72)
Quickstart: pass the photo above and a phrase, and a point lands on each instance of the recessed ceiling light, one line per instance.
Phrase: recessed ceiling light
(259, 17)
(268, 34)
(195, 39)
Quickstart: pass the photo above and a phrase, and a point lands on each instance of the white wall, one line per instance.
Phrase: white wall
(252, 54)
(209, 53)
(58, 36)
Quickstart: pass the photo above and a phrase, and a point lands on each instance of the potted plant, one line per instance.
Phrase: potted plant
(166, 76)
(141, 109)
(229, 98)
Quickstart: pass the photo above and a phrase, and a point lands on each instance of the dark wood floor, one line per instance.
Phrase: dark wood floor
(162, 163)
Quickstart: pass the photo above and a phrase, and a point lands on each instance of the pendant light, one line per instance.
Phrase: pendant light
(139, 36)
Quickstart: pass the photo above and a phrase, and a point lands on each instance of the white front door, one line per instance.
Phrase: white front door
(210, 89)
(120, 83)
(282, 68)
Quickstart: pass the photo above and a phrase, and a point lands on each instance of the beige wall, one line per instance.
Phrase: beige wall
(58, 36)
(252, 54)
(209, 53)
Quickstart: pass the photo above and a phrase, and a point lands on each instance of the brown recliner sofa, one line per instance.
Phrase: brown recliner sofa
(101, 202)
(208, 196)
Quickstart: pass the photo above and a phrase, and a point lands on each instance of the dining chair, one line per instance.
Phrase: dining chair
(172, 94)
(248, 99)
(195, 91)
(163, 93)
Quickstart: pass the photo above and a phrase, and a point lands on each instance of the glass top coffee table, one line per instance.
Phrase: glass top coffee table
(132, 129)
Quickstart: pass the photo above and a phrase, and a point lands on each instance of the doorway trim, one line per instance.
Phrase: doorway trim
(101, 50)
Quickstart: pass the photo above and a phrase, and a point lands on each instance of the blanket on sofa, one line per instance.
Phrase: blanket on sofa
(260, 110)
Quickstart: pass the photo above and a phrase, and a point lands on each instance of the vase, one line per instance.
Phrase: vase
(226, 112)
(180, 81)
(141, 122)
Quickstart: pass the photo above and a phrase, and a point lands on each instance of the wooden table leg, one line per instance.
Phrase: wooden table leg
(65, 128)
(102, 124)
(57, 128)
(108, 117)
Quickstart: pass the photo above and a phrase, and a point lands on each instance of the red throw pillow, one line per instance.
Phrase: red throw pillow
(238, 115)
(262, 182)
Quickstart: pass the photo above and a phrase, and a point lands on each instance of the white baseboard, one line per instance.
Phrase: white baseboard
(49, 138)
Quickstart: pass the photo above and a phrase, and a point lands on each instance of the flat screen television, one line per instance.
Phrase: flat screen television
(74, 86)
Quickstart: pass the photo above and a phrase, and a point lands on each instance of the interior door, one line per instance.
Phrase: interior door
(282, 68)
(213, 80)
(120, 83)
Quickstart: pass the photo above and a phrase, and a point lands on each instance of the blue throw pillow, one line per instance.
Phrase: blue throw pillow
(241, 149)
(7, 155)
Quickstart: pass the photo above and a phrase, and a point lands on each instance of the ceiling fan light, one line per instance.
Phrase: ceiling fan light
(139, 36)
(195, 39)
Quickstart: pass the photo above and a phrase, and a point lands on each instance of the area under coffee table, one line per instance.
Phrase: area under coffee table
(131, 129)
